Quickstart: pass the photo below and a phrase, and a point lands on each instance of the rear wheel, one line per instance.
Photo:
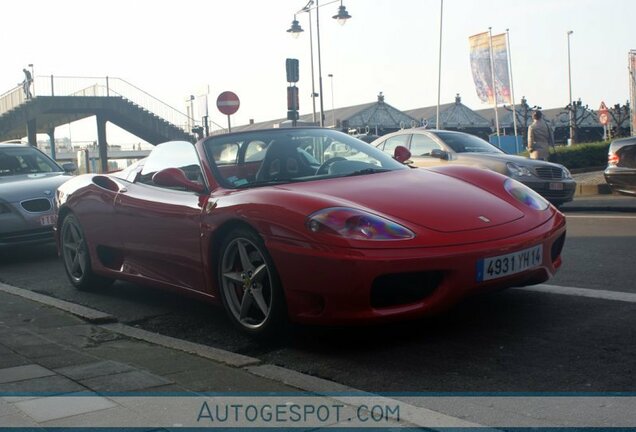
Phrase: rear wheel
(250, 288)
(77, 260)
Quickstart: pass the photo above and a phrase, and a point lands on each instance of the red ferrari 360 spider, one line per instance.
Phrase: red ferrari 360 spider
(308, 225)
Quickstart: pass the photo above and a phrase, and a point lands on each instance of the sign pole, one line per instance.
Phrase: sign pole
(229, 125)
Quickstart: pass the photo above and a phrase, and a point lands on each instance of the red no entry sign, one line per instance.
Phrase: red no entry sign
(228, 103)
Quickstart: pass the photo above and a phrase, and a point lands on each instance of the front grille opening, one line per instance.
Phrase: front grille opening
(403, 288)
(549, 173)
(37, 205)
(557, 247)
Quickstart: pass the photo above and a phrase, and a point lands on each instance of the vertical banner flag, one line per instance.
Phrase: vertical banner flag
(500, 60)
(632, 89)
(480, 66)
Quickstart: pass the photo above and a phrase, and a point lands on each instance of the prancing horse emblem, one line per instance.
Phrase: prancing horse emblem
(484, 218)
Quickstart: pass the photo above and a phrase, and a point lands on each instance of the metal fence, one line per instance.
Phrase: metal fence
(50, 85)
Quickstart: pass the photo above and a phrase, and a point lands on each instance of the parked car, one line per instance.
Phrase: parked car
(620, 173)
(439, 147)
(28, 180)
(280, 232)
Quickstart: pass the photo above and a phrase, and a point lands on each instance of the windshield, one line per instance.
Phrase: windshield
(466, 143)
(279, 156)
(25, 160)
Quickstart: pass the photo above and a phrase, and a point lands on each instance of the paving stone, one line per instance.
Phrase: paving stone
(53, 408)
(110, 418)
(154, 358)
(78, 336)
(19, 420)
(11, 359)
(220, 378)
(49, 385)
(41, 350)
(65, 358)
(94, 369)
(21, 373)
(126, 381)
(20, 338)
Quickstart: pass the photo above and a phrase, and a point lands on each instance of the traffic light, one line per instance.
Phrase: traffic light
(291, 65)
(292, 98)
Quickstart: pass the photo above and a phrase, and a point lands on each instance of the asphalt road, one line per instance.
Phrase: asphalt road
(513, 340)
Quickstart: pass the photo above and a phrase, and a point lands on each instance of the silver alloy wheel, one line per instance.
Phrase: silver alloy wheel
(74, 251)
(246, 283)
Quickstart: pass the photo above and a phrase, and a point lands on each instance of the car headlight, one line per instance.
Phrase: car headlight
(525, 195)
(566, 173)
(518, 170)
(356, 224)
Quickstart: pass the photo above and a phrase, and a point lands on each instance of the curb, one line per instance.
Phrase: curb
(592, 189)
(87, 314)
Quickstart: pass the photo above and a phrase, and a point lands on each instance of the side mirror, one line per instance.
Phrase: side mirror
(174, 177)
(69, 167)
(440, 154)
(401, 154)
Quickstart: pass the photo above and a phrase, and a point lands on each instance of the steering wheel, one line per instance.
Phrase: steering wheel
(324, 168)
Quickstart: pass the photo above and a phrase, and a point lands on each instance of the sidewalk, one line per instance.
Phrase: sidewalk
(61, 370)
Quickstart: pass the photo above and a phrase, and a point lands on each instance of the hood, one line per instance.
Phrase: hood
(20, 187)
(417, 196)
(494, 160)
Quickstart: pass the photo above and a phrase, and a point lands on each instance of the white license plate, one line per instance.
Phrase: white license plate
(48, 220)
(556, 186)
(506, 265)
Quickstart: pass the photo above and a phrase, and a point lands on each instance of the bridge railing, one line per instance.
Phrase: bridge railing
(51, 85)
(11, 99)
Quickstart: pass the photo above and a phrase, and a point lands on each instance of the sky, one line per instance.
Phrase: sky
(172, 49)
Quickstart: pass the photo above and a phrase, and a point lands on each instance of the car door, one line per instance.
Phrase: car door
(161, 226)
(422, 147)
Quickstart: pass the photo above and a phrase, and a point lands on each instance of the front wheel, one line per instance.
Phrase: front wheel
(249, 285)
(77, 260)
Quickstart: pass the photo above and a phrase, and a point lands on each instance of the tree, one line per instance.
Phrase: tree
(579, 113)
(619, 115)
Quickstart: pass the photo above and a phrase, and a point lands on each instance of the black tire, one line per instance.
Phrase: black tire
(77, 260)
(250, 287)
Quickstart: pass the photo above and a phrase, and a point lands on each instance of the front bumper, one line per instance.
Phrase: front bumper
(555, 191)
(622, 180)
(326, 285)
(20, 227)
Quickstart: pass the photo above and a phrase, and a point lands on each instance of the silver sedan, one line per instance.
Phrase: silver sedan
(431, 148)
(28, 181)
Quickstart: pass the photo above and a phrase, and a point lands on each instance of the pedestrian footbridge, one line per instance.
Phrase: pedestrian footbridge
(58, 101)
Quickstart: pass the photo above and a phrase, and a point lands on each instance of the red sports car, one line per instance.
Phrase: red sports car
(308, 225)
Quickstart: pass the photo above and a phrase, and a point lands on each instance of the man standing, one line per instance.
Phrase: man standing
(26, 84)
(539, 137)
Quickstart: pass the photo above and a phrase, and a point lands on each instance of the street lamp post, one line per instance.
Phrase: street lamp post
(570, 88)
(333, 112)
(342, 16)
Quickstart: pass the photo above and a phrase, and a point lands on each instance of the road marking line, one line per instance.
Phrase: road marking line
(569, 216)
(582, 292)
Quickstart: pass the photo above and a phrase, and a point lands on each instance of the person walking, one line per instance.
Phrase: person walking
(26, 84)
(540, 137)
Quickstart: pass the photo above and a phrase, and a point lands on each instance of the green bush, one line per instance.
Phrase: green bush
(585, 155)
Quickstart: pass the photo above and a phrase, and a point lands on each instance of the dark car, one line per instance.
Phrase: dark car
(432, 148)
(620, 173)
(28, 181)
